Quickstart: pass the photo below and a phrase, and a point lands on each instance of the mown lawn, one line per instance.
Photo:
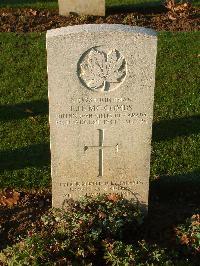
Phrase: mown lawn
(24, 131)
(109, 3)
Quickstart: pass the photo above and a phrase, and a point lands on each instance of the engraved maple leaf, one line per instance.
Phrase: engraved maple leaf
(101, 69)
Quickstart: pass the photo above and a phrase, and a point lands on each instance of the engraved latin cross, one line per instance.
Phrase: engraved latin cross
(101, 148)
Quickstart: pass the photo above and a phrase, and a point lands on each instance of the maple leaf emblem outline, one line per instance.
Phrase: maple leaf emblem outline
(99, 70)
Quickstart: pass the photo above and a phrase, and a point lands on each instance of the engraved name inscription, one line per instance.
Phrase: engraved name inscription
(100, 111)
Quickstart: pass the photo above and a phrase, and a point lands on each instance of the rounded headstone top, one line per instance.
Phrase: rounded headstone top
(87, 28)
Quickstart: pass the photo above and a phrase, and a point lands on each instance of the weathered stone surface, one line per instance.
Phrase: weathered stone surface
(82, 7)
(101, 91)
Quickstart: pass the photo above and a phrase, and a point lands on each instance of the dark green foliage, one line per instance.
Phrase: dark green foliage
(188, 234)
(142, 254)
(93, 231)
(78, 232)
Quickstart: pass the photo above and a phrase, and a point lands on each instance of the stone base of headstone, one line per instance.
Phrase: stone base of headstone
(81, 7)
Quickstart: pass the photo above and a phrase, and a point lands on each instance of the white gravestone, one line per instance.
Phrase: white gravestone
(101, 90)
(82, 7)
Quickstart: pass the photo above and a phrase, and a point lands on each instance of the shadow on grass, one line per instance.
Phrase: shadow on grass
(177, 194)
(169, 129)
(34, 155)
(23, 110)
(172, 199)
(145, 8)
(23, 2)
(171, 187)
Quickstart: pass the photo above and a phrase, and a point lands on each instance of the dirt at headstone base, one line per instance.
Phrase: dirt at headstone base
(16, 218)
(32, 20)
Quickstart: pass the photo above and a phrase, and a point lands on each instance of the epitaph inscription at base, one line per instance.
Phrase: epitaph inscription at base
(101, 93)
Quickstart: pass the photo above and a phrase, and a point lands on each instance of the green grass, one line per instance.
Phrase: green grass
(23, 88)
(29, 3)
(109, 3)
(177, 107)
(24, 132)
